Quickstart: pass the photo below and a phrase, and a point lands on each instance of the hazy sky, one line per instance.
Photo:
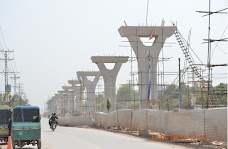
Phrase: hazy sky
(52, 39)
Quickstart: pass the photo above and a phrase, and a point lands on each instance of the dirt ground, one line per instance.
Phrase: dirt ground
(186, 143)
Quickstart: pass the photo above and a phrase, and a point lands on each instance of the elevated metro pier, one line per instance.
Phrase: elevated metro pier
(109, 76)
(147, 57)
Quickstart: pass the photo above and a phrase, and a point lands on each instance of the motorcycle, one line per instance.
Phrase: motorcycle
(53, 125)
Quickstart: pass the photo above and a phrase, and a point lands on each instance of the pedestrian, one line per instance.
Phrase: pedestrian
(9, 126)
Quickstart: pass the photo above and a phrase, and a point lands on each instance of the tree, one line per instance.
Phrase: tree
(170, 99)
(125, 94)
(133, 105)
(120, 105)
(100, 102)
(222, 98)
(17, 100)
(4, 106)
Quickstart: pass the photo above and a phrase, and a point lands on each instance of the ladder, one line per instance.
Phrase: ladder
(187, 55)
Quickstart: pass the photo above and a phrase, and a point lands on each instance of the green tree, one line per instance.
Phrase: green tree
(100, 102)
(125, 94)
(172, 93)
(223, 96)
(2, 106)
(17, 100)
(170, 97)
(133, 105)
(120, 105)
(221, 86)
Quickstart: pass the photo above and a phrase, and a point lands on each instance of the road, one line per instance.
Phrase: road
(88, 138)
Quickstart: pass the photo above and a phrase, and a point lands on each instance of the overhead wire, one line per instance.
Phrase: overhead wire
(1, 45)
(171, 87)
(216, 46)
(12, 67)
(221, 50)
(1, 49)
(191, 48)
(3, 37)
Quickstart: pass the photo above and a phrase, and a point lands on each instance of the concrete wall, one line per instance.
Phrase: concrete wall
(139, 119)
(209, 122)
(156, 121)
(124, 118)
(96, 117)
(112, 119)
(103, 119)
(75, 121)
(216, 124)
(186, 123)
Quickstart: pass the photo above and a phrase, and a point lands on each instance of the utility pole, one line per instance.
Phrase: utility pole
(6, 72)
(20, 92)
(15, 77)
(209, 41)
(180, 97)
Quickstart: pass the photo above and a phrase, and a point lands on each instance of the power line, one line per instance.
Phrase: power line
(1, 45)
(209, 55)
(3, 37)
(219, 42)
(6, 71)
(15, 77)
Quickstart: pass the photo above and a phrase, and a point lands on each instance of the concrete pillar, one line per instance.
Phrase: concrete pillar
(76, 86)
(69, 98)
(109, 76)
(59, 104)
(146, 55)
(64, 101)
(54, 104)
(90, 86)
(49, 106)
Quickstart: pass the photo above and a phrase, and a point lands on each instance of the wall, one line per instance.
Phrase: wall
(209, 122)
(75, 121)
(216, 124)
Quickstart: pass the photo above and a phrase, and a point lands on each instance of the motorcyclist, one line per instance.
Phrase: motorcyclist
(53, 118)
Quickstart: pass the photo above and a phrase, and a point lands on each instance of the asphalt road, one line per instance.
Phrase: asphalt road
(88, 138)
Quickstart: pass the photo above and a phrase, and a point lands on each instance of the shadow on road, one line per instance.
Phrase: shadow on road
(26, 147)
(48, 131)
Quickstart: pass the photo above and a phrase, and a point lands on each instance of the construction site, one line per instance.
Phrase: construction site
(189, 106)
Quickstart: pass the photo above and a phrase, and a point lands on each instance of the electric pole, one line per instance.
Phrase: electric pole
(6, 72)
(15, 77)
(180, 96)
(20, 93)
(209, 41)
